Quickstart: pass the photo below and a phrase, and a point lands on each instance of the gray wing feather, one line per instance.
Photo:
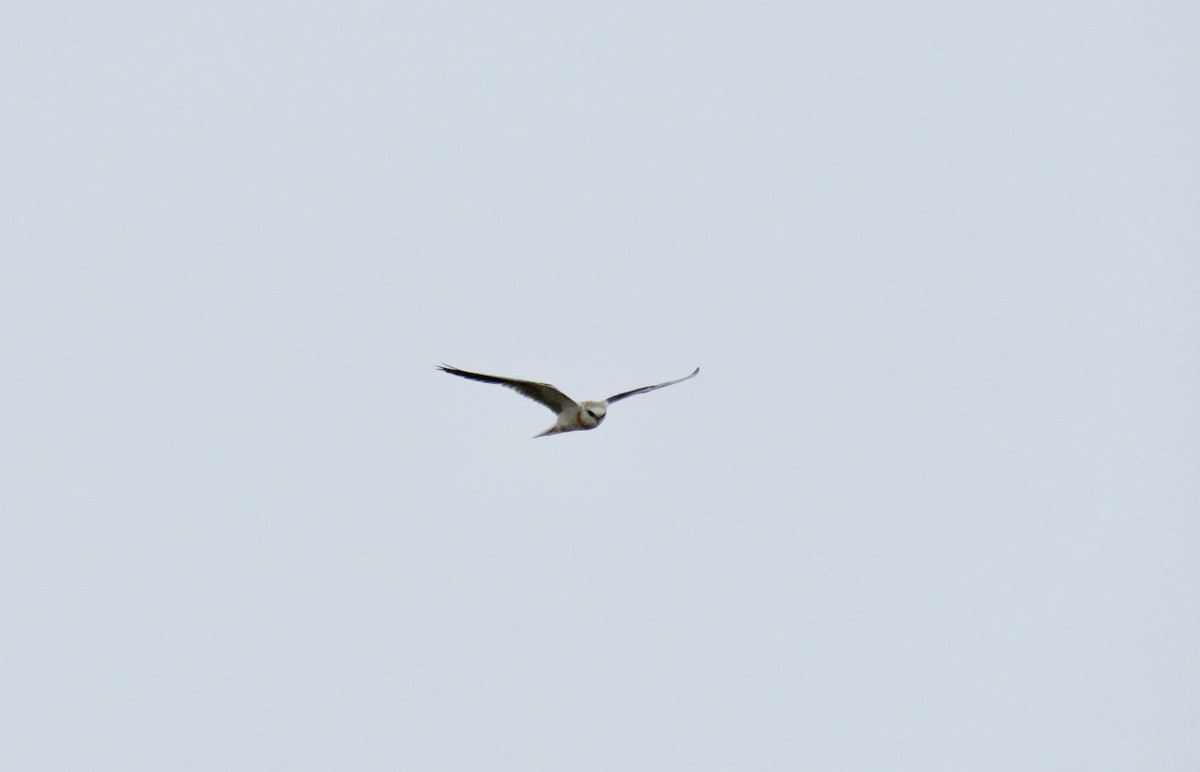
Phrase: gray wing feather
(538, 392)
(645, 389)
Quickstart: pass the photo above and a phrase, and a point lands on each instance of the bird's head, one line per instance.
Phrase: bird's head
(592, 413)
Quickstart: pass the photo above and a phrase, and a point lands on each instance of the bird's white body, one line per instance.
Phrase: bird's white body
(585, 415)
(571, 416)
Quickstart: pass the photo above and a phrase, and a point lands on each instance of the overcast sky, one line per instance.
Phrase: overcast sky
(931, 504)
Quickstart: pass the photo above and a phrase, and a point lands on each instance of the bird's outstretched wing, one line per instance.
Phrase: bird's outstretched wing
(539, 392)
(645, 389)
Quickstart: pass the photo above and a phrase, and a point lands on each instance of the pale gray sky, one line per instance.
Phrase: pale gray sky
(932, 503)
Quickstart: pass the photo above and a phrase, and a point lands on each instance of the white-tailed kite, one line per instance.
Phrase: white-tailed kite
(572, 416)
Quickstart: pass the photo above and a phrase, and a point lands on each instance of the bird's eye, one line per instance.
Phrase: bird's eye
(593, 415)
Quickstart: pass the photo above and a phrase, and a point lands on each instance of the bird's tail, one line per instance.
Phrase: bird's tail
(552, 430)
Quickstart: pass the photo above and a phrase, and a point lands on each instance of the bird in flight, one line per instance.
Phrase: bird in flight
(572, 416)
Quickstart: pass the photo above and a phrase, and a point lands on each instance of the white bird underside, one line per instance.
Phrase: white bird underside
(572, 416)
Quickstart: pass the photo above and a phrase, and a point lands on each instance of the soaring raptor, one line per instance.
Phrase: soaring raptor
(572, 416)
